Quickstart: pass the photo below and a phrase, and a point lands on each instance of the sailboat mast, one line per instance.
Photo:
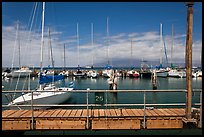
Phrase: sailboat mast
(107, 40)
(172, 44)
(19, 49)
(131, 54)
(161, 43)
(78, 43)
(64, 57)
(92, 43)
(51, 55)
(42, 40)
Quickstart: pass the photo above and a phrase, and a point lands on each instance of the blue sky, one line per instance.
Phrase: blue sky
(136, 21)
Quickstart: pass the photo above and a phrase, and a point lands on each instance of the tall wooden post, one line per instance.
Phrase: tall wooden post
(189, 59)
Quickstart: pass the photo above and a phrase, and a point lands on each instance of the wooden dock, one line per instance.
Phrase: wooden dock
(94, 119)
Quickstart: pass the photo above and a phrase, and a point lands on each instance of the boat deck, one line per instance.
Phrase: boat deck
(92, 119)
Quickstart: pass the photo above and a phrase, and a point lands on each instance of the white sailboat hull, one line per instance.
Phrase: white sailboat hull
(162, 73)
(177, 74)
(107, 73)
(79, 75)
(21, 73)
(41, 98)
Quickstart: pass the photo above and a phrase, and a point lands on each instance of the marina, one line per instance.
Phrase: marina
(93, 109)
(90, 96)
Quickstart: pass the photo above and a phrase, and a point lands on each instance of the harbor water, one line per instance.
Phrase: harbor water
(102, 98)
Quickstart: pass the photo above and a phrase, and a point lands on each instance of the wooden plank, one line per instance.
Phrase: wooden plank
(6, 113)
(101, 112)
(159, 112)
(55, 113)
(147, 111)
(113, 113)
(137, 112)
(27, 114)
(37, 113)
(180, 112)
(176, 112)
(170, 112)
(116, 124)
(43, 113)
(78, 114)
(61, 113)
(118, 112)
(60, 124)
(164, 112)
(67, 113)
(18, 113)
(50, 112)
(87, 112)
(107, 112)
(164, 124)
(130, 113)
(141, 112)
(73, 113)
(95, 113)
(16, 125)
(90, 112)
(153, 113)
(124, 112)
(84, 113)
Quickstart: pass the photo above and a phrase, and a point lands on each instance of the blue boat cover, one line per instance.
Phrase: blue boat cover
(108, 66)
(48, 79)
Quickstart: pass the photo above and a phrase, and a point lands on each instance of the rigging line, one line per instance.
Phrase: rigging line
(16, 86)
(32, 11)
(14, 53)
(31, 26)
(14, 48)
(26, 47)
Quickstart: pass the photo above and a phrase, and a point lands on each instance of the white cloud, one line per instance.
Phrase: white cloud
(145, 45)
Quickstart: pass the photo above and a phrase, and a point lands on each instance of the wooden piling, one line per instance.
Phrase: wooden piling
(189, 59)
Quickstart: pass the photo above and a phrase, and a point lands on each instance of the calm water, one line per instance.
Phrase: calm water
(118, 98)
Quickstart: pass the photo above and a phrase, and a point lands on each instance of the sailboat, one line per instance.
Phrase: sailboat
(78, 73)
(132, 73)
(43, 95)
(107, 72)
(23, 71)
(92, 73)
(161, 72)
(173, 72)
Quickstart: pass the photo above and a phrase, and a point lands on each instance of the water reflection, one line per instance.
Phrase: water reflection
(113, 97)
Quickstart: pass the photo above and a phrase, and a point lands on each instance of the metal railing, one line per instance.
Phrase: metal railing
(88, 105)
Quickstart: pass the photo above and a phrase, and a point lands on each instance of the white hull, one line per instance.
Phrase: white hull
(92, 74)
(20, 74)
(79, 75)
(162, 74)
(42, 98)
(177, 74)
(107, 73)
(197, 74)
